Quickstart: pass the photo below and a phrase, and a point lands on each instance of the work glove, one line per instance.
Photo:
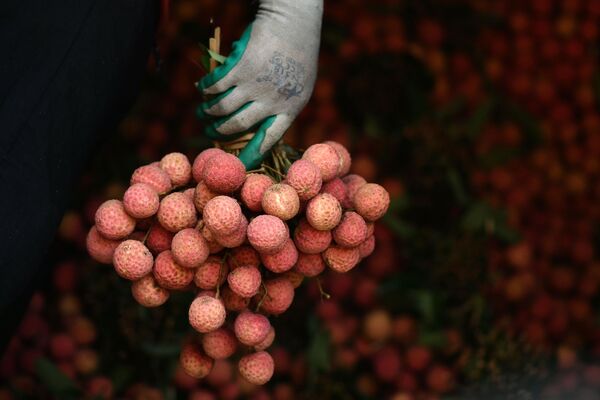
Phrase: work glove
(267, 79)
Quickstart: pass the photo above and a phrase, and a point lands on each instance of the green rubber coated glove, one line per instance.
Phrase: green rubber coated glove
(268, 77)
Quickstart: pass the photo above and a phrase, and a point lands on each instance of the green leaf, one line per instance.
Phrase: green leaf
(216, 56)
(436, 339)
(425, 305)
(57, 383)
(205, 61)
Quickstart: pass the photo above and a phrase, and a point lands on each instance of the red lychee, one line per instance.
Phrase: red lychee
(147, 292)
(132, 260)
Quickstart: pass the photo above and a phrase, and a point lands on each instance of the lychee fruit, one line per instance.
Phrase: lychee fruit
(337, 188)
(310, 240)
(112, 221)
(418, 358)
(233, 301)
(159, 239)
(141, 201)
(253, 190)
(257, 368)
(178, 167)
(100, 386)
(62, 346)
(100, 248)
(278, 297)
(305, 178)
(267, 234)
(310, 265)
(82, 330)
(267, 341)
(203, 195)
(440, 379)
(323, 212)
(367, 247)
(235, 239)
(169, 274)
(224, 173)
(344, 155)
(281, 200)
(244, 256)
(251, 328)
(154, 176)
(219, 344)
(189, 248)
(244, 281)
(341, 259)
(326, 158)
(211, 273)
(222, 215)
(371, 201)
(207, 314)
(283, 260)
(177, 212)
(194, 362)
(132, 260)
(353, 183)
(200, 161)
(85, 361)
(213, 246)
(190, 193)
(147, 292)
(351, 231)
(295, 277)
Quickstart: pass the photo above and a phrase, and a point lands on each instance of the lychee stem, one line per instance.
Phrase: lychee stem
(324, 294)
(147, 233)
(263, 297)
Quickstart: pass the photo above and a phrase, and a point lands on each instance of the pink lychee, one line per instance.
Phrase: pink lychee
(267, 234)
(283, 260)
(251, 328)
(326, 158)
(194, 362)
(190, 193)
(341, 259)
(345, 159)
(169, 274)
(353, 183)
(243, 256)
(222, 215)
(132, 260)
(366, 248)
(202, 195)
(351, 231)
(323, 212)
(112, 221)
(189, 248)
(267, 341)
(295, 277)
(213, 246)
(207, 314)
(278, 297)
(305, 178)
(310, 240)
(211, 273)
(159, 239)
(177, 212)
(154, 176)
(219, 344)
(337, 188)
(244, 280)
(200, 161)
(141, 201)
(100, 248)
(310, 265)
(371, 201)
(257, 368)
(281, 200)
(178, 167)
(233, 301)
(235, 239)
(224, 173)
(147, 292)
(253, 190)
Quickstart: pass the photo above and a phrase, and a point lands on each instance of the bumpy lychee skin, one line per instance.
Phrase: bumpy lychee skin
(169, 274)
(257, 368)
(295, 277)
(341, 259)
(147, 292)
(235, 239)
(353, 183)
(213, 246)
(194, 362)
(203, 195)
(224, 173)
(281, 200)
(351, 231)
(190, 193)
(222, 215)
(159, 239)
(267, 234)
(207, 314)
(244, 256)
(177, 212)
(178, 167)
(200, 161)
(305, 178)
(310, 265)
(371, 201)
(141, 201)
(132, 260)
(112, 221)
(219, 344)
(345, 159)
(283, 260)
(253, 190)
(211, 273)
(280, 294)
(267, 341)
(337, 188)
(244, 281)
(324, 212)
(251, 328)
(233, 301)
(367, 247)
(310, 240)
(153, 176)
(189, 248)
(100, 248)
(326, 158)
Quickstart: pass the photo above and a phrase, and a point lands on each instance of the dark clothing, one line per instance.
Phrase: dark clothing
(69, 69)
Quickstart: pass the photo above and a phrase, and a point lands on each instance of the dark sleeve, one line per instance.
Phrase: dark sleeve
(69, 70)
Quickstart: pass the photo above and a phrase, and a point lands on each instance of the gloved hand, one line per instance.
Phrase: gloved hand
(267, 79)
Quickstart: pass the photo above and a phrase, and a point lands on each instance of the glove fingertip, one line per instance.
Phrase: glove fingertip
(250, 155)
